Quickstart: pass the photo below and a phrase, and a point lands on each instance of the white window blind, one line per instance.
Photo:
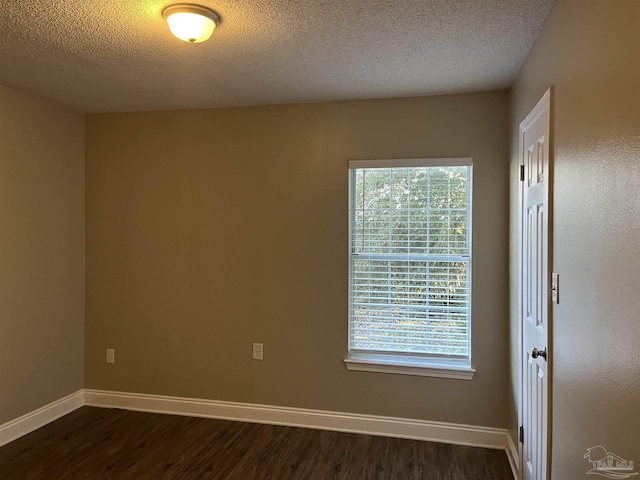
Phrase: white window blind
(410, 254)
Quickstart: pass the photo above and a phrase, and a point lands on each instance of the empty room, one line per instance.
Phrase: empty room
(319, 239)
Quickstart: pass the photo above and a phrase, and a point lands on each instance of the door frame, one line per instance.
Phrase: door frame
(546, 101)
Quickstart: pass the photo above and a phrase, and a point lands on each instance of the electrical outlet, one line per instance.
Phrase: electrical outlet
(111, 355)
(258, 350)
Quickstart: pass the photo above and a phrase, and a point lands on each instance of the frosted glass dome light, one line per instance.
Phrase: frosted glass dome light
(191, 23)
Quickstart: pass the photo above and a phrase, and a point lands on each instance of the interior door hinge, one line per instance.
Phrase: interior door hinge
(521, 434)
(522, 173)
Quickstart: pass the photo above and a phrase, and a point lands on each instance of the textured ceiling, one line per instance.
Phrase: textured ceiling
(118, 55)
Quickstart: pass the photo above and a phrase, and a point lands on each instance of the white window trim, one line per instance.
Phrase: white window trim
(442, 367)
(412, 162)
(407, 366)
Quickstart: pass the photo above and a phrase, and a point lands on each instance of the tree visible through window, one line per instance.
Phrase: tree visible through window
(410, 259)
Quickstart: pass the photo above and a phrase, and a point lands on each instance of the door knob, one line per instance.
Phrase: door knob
(535, 353)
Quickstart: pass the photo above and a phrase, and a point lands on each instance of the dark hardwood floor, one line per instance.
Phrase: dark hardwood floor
(95, 443)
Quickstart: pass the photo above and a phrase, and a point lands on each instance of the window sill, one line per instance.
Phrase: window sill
(423, 368)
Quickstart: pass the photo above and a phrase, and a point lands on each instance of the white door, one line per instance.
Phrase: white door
(534, 290)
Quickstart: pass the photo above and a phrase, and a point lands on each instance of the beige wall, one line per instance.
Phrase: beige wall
(209, 230)
(41, 253)
(588, 50)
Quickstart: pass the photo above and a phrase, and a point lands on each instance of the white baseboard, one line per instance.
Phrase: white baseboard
(513, 456)
(40, 417)
(298, 417)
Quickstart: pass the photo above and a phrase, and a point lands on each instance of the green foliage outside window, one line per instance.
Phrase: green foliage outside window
(410, 260)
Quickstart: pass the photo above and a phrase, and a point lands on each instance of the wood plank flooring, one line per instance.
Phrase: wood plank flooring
(96, 443)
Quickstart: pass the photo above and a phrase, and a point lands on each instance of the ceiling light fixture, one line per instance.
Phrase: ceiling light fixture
(191, 23)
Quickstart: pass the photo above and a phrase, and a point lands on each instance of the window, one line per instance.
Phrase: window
(410, 267)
